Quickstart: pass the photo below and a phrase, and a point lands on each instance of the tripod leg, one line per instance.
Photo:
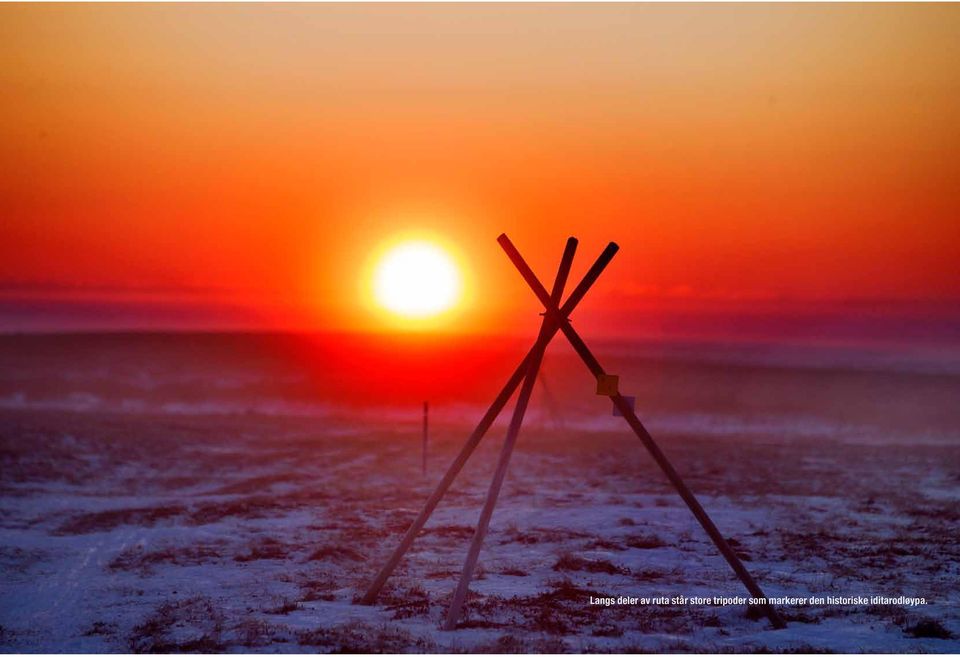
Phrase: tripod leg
(698, 511)
(547, 328)
(460, 595)
(374, 589)
(626, 409)
(484, 425)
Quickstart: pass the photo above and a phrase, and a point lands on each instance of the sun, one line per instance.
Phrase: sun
(417, 279)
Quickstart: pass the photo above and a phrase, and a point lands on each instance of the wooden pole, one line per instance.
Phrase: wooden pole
(466, 575)
(626, 409)
(478, 433)
(452, 471)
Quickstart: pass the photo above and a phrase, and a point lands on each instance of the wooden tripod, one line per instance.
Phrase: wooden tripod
(555, 318)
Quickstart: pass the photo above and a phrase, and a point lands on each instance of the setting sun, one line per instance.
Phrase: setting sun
(417, 279)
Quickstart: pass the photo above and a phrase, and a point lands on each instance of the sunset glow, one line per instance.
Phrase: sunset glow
(417, 279)
(756, 163)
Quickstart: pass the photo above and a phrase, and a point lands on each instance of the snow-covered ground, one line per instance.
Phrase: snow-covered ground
(167, 532)
(231, 492)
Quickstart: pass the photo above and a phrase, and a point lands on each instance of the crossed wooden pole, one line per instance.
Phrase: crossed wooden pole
(555, 318)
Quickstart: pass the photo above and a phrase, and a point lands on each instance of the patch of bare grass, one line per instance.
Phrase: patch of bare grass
(538, 535)
(190, 625)
(644, 541)
(104, 521)
(413, 601)
(335, 553)
(928, 628)
(569, 561)
(359, 637)
(138, 558)
(452, 531)
(265, 548)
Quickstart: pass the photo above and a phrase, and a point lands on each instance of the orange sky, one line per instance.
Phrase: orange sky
(223, 164)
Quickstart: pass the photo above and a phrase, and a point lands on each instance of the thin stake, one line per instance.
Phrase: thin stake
(460, 595)
(641, 432)
(479, 432)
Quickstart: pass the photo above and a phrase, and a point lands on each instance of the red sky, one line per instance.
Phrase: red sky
(214, 165)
